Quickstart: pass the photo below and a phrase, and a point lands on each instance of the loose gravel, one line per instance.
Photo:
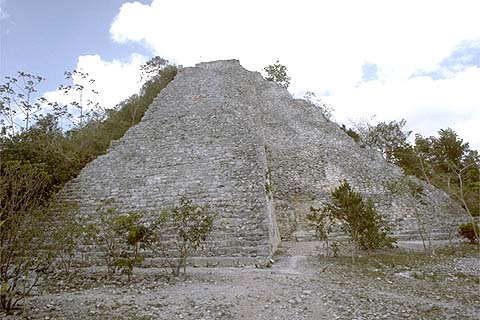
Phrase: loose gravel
(301, 284)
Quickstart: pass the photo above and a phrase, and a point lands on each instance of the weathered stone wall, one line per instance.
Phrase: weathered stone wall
(201, 139)
(309, 156)
(222, 135)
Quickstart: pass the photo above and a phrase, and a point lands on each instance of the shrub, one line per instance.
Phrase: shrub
(360, 220)
(277, 73)
(121, 237)
(190, 224)
(24, 222)
(469, 231)
(135, 235)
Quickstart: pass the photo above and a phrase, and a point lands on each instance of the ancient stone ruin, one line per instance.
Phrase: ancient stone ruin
(222, 135)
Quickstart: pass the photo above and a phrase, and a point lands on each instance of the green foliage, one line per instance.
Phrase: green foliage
(64, 154)
(177, 233)
(136, 235)
(446, 161)
(191, 224)
(278, 74)
(153, 68)
(469, 231)
(24, 224)
(360, 220)
(121, 238)
(386, 138)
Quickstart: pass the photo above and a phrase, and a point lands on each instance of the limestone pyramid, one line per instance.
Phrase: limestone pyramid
(222, 135)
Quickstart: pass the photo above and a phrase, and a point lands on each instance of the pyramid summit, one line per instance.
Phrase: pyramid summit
(224, 136)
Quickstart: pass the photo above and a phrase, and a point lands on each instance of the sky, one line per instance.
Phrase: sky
(371, 59)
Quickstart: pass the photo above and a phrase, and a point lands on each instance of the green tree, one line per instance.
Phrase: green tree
(153, 68)
(278, 74)
(113, 234)
(388, 138)
(448, 150)
(448, 163)
(360, 220)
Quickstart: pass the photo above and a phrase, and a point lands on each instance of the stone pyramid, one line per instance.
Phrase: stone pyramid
(222, 135)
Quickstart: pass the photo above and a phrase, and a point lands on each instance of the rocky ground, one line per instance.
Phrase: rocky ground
(398, 284)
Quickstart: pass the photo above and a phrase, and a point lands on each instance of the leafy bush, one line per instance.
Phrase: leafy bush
(136, 235)
(469, 231)
(190, 224)
(278, 74)
(120, 238)
(24, 222)
(37, 159)
(63, 154)
(176, 234)
(360, 220)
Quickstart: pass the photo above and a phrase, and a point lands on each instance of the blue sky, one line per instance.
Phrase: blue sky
(418, 60)
(46, 37)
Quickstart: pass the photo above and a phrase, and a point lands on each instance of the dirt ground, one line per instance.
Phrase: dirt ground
(301, 284)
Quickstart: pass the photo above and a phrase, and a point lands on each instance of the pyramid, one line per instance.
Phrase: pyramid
(221, 135)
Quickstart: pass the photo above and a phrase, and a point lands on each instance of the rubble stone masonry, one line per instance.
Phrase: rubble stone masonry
(223, 136)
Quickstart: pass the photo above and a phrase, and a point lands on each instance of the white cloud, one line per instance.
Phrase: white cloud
(324, 44)
(426, 104)
(114, 81)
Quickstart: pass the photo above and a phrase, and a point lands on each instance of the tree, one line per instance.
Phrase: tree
(278, 74)
(416, 193)
(83, 105)
(157, 73)
(447, 163)
(388, 138)
(360, 220)
(152, 69)
(18, 106)
(448, 150)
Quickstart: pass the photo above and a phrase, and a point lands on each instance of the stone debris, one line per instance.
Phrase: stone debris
(345, 290)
